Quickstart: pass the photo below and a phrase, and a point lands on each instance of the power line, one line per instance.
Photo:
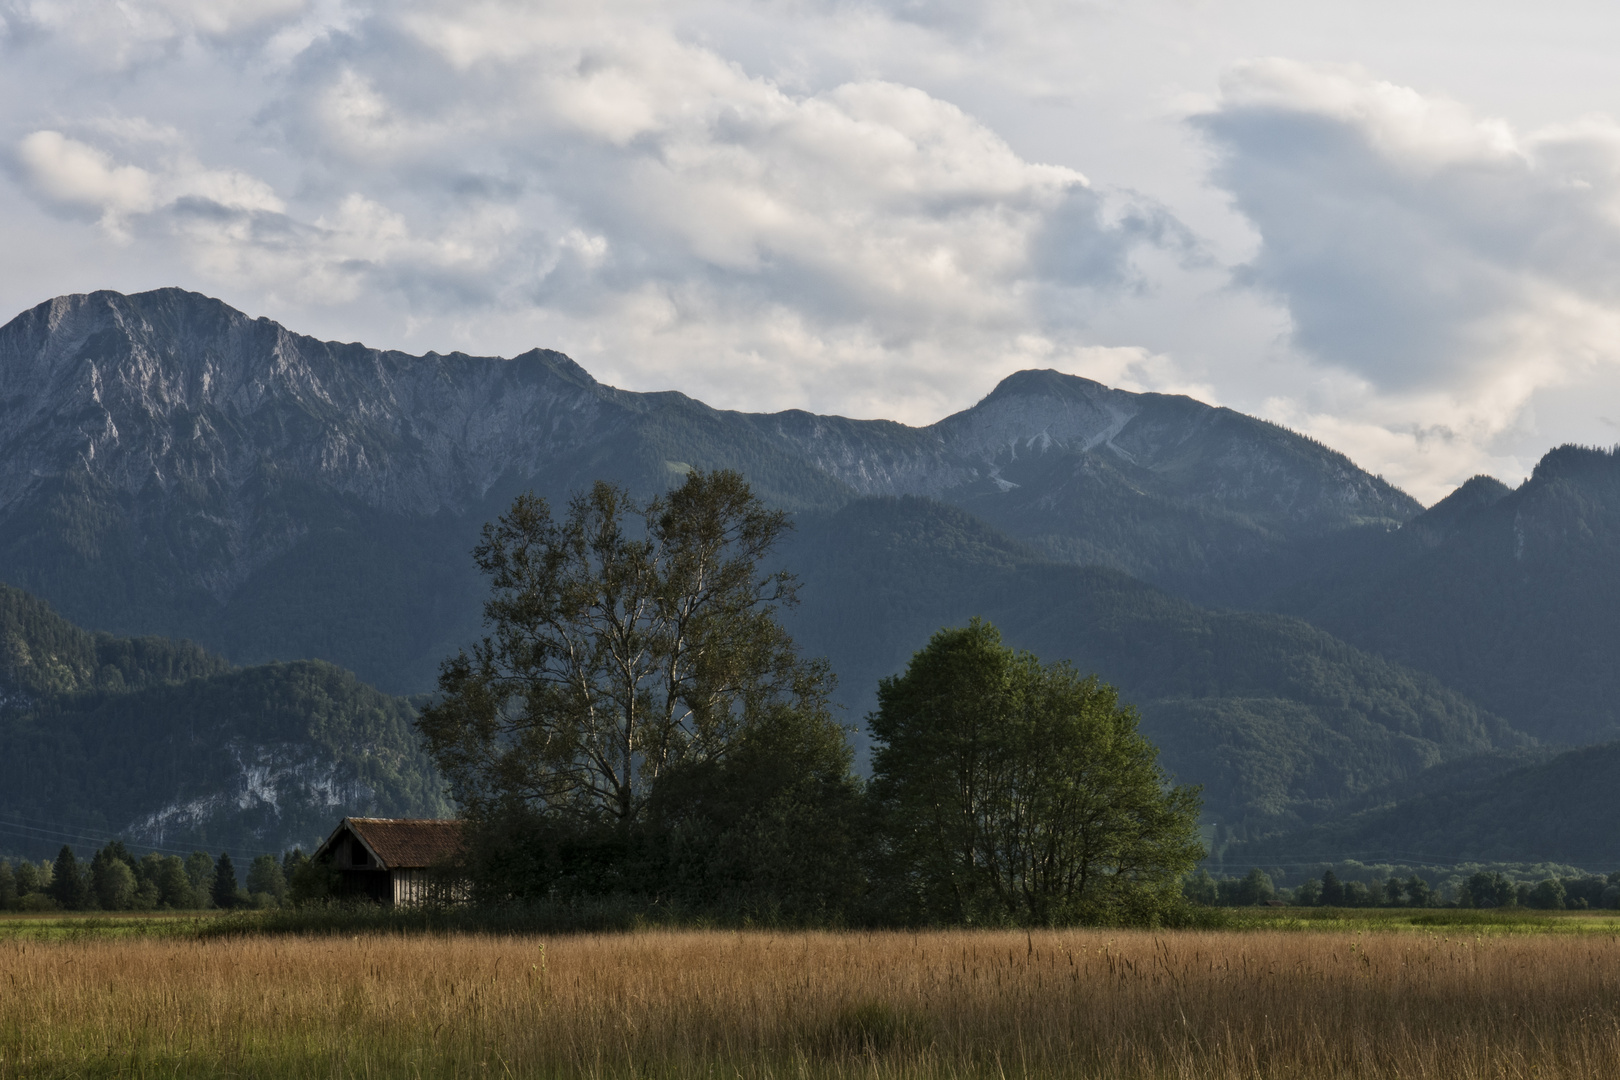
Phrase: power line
(25, 829)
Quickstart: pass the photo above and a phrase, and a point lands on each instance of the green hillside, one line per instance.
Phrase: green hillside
(1279, 721)
(161, 743)
(1509, 596)
(1548, 811)
(42, 654)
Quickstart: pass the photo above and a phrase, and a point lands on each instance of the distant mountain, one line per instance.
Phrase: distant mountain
(169, 465)
(1553, 810)
(159, 742)
(1511, 596)
(1280, 722)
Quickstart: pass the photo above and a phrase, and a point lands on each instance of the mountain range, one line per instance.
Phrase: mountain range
(1300, 635)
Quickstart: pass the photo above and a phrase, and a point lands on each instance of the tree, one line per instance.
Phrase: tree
(68, 887)
(1254, 888)
(200, 874)
(169, 880)
(29, 879)
(1015, 792)
(112, 882)
(1418, 891)
(1394, 892)
(628, 641)
(770, 830)
(1200, 888)
(1309, 893)
(8, 886)
(223, 892)
(1488, 889)
(1332, 890)
(1547, 895)
(265, 877)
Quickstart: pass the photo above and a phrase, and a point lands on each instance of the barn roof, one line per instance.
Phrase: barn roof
(403, 843)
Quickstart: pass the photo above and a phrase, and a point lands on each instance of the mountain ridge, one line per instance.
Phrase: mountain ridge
(167, 463)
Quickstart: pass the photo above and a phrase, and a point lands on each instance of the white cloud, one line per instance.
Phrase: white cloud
(78, 176)
(70, 173)
(866, 207)
(649, 205)
(1449, 265)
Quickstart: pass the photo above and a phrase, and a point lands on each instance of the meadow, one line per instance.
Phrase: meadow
(1444, 1002)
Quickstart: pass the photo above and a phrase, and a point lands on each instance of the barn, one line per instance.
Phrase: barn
(391, 860)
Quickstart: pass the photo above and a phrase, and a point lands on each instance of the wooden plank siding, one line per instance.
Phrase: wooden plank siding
(397, 861)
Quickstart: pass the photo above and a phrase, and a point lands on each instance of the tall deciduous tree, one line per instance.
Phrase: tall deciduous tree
(265, 876)
(1013, 791)
(112, 882)
(199, 867)
(627, 641)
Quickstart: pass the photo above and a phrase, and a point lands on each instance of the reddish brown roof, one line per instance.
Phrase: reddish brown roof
(407, 843)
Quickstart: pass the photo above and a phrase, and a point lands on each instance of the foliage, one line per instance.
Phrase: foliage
(112, 880)
(632, 644)
(224, 888)
(1010, 791)
(119, 747)
(265, 876)
(68, 887)
(1279, 722)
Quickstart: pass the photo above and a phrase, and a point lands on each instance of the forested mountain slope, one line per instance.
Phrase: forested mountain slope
(162, 743)
(1547, 811)
(169, 465)
(1512, 597)
(1279, 721)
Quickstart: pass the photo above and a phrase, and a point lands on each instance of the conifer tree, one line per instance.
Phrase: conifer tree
(68, 887)
(224, 890)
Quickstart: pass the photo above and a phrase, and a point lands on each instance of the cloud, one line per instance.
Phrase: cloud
(1448, 266)
(594, 175)
(832, 205)
(81, 178)
(1414, 243)
(72, 174)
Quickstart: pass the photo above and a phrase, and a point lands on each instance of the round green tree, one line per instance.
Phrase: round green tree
(1015, 792)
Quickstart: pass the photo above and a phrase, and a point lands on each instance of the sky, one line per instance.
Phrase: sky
(1394, 227)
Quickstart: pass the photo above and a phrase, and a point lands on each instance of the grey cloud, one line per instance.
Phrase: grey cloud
(1405, 236)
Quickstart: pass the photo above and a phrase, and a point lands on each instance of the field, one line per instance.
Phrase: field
(1443, 1002)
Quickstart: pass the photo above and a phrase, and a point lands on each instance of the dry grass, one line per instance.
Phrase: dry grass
(1083, 1004)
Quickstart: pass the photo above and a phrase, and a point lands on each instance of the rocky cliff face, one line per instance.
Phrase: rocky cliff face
(168, 464)
(170, 390)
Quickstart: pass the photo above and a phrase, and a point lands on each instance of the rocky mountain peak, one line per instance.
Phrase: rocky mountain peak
(1040, 408)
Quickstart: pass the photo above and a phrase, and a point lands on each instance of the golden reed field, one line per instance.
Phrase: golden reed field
(756, 1004)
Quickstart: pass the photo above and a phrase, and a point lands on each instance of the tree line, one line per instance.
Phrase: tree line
(114, 879)
(638, 728)
(1482, 889)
